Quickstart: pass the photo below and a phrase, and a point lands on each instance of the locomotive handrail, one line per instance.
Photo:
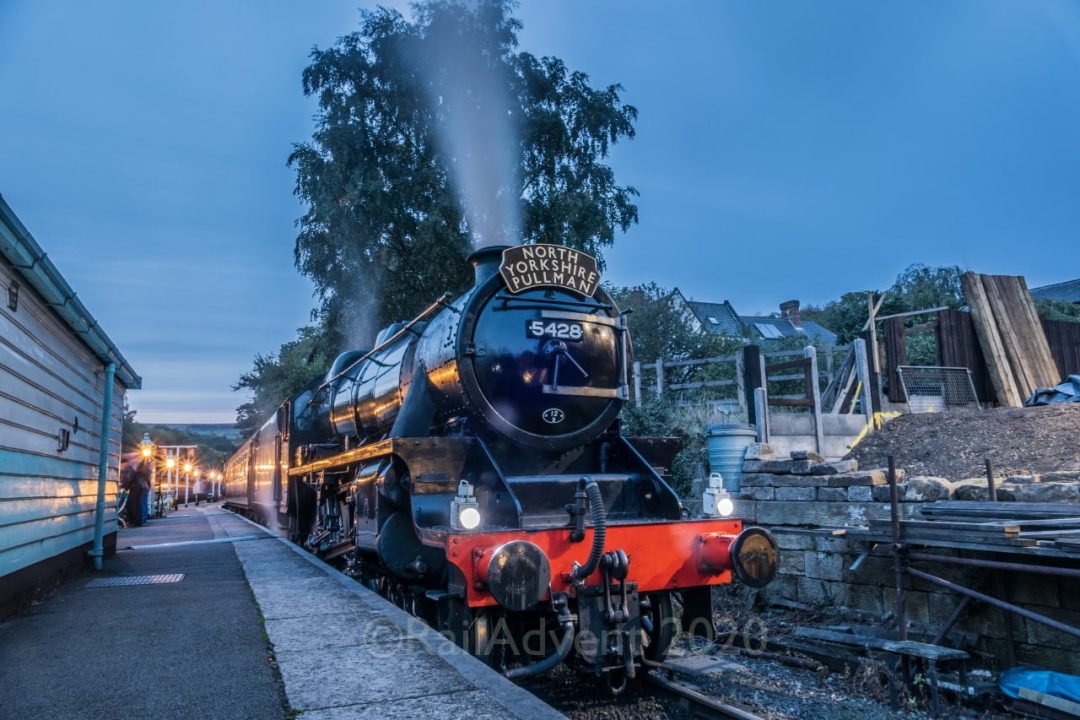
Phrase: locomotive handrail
(567, 315)
(408, 327)
(383, 447)
(548, 301)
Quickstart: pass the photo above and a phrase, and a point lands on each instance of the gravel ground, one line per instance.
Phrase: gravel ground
(577, 695)
(762, 686)
(954, 445)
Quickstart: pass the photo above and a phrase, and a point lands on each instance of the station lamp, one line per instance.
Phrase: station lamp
(187, 467)
(170, 462)
(146, 447)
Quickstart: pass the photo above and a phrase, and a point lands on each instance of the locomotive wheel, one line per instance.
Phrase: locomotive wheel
(656, 609)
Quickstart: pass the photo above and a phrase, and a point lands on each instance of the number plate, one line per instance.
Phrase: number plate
(558, 329)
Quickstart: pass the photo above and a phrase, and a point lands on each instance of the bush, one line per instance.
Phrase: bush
(662, 417)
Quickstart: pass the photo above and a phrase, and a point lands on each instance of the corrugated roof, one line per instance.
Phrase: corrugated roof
(32, 264)
(1068, 291)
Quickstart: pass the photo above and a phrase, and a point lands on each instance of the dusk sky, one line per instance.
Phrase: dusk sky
(784, 150)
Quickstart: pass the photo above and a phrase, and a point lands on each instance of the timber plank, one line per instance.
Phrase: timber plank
(997, 363)
(1050, 373)
(1029, 331)
(1011, 337)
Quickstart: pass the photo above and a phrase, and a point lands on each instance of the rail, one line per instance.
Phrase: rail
(701, 705)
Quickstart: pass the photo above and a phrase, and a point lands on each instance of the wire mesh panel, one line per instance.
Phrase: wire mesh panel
(934, 389)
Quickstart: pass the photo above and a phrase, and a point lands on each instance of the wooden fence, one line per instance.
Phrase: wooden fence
(1064, 339)
(722, 379)
(957, 345)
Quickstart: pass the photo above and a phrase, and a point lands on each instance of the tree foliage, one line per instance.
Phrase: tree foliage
(383, 175)
(433, 133)
(1057, 310)
(917, 288)
(662, 328)
(274, 378)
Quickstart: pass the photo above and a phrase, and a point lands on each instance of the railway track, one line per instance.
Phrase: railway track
(696, 703)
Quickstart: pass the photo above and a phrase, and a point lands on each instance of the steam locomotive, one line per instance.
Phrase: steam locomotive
(470, 467)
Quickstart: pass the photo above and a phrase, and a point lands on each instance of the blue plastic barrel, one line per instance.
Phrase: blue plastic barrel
(726, 444)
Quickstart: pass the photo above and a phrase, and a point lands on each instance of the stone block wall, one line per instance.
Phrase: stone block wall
(808, 504)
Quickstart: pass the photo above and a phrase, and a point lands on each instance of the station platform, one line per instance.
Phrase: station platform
(204, 614)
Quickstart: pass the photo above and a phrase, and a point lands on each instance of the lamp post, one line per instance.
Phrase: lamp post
(175, 466)
(146, 450)
(187, 481)
(170, 465)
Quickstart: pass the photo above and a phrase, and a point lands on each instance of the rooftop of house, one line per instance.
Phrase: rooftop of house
(1068, 291)
(767, 327)
(717, 317)
(722, 318)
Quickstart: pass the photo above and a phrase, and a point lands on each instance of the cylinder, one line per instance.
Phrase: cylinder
(727, 443)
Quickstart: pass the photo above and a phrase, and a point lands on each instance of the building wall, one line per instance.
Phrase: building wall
(49, 380)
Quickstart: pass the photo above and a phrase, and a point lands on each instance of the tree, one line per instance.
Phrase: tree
(436, 132)
(660, 328)
(274, 378)
(917, 288)
(1058, 310)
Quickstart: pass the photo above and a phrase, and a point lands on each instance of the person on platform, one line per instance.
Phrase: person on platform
(131, 482)
(200, 490)
(145, 480)
(142, 477)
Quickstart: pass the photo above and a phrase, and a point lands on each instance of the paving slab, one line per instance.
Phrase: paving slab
(190, 649)
(206, 646)
(465, 705)
(345, 652)
(372, 673)
(332, 630)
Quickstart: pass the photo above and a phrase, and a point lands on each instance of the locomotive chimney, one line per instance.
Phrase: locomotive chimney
(485, 262)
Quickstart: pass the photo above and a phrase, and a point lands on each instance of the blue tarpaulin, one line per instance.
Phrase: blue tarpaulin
(1067, 391)
(1044, 681)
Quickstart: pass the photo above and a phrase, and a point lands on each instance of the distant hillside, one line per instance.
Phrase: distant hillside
(223, 430)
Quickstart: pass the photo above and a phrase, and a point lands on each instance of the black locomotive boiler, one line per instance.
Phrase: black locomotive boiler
(470, 468)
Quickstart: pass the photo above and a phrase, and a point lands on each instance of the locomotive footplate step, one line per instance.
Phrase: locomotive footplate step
(345, 652)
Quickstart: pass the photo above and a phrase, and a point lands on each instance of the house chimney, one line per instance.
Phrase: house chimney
(790, 311)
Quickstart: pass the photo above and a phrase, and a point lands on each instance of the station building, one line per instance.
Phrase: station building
(55, 361)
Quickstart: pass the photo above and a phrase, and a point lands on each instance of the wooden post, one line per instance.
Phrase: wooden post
(740, 388)
(752, 379)
(829, 361)
(863, 368)
(761, 413)
(875, 369)
(990, 480)
(637, 384)
(659, 377)
(814, 391)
